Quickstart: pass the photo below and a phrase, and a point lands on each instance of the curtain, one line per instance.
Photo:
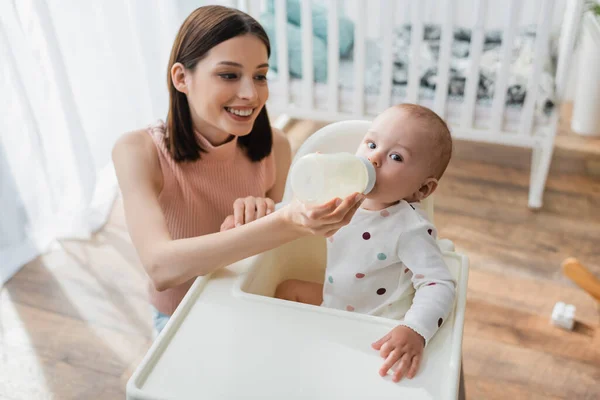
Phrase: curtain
(74, 76)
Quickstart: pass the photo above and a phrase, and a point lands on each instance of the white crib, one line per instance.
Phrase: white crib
(469, 118)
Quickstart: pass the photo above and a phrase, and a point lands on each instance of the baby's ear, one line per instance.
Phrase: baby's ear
(427, 188)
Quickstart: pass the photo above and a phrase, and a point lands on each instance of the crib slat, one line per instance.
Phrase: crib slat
(253, 8)
(307, 51)
(416, 39)
(441, 88)
(508, 37)
(283, 72)
(332, 55)
(544, 23)
(475, 50)
(359, 59)
(568, 36)
(385, 89)
(243, 5)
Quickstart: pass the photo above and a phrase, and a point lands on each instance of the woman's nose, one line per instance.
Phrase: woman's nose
(247, 90)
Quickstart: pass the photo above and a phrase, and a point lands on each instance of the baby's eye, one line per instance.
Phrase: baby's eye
(371, 145)
(396, 157)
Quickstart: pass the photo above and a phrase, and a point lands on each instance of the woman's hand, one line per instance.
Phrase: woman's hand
(227, 223)
(324, 220)
(249, 208)
(246, 210)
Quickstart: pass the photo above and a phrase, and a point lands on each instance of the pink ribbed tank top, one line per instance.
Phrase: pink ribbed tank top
(197, 196)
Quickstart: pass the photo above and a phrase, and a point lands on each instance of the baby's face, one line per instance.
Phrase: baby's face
(400, 148)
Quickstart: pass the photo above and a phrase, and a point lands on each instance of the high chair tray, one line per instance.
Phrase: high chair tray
(229, 340)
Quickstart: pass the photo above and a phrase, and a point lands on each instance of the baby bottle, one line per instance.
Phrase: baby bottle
(318, 178)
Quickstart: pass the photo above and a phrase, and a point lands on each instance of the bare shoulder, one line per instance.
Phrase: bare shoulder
(134, 141)
(283, 157)
(135, 157)
(278, 135)
(281, 144)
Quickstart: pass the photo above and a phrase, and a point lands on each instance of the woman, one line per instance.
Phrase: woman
(180, 180)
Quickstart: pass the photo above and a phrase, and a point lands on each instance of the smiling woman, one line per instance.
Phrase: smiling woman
(215, 156)
(217, 83)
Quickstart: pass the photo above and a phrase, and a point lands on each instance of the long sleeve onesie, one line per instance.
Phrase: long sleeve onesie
(388, 263)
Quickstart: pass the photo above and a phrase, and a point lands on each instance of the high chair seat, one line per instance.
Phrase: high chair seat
(230, 338)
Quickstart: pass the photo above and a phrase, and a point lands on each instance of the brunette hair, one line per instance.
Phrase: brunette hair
(202, 30)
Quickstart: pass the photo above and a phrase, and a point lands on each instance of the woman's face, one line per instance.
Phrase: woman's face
(227, 88)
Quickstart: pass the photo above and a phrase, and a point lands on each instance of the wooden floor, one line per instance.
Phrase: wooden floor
(75, 323)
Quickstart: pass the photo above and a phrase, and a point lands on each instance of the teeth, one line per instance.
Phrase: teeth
(241, 113)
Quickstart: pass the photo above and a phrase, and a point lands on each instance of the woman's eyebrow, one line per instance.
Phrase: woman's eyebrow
(234, 64)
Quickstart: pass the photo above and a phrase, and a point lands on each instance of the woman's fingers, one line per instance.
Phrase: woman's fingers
(227, 223)
(327, 218)
(250, 209)
(238, 212)
(352, 211)
(343, 214)
(270, 205)
(318, 212)
(340, 209)
(348, 207)
(261, 208)
(331, 233)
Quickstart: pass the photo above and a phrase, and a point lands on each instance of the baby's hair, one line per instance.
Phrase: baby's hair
(441, 135)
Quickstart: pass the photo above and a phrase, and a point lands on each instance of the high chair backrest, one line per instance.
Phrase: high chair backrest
(343, 136)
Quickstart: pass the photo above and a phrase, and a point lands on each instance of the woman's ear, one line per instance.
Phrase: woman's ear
(179, 77)
(427, 189)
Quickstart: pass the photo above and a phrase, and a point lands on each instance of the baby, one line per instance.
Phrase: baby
(386, 262)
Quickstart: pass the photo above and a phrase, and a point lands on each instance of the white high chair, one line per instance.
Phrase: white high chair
(230, 338)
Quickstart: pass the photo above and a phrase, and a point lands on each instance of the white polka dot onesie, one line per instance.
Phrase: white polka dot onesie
(388, 263)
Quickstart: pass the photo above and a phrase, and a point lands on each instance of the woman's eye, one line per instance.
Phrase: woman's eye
(371, 145)
(261, 78)
(228, 77)
(396, 157)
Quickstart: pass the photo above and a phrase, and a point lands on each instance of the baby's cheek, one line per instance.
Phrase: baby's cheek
(361, 152)
(394, 183)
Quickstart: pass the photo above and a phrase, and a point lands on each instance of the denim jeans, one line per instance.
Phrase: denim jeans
(159, 320)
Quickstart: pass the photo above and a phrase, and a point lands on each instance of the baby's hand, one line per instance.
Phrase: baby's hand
(404, 345)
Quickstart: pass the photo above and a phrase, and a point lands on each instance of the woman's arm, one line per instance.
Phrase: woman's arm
(171, 262)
